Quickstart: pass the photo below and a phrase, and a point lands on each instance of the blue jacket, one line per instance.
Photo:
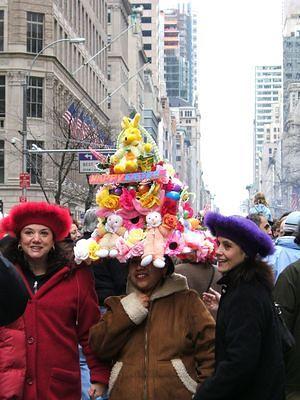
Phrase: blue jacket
(286, 253)
(261, 209)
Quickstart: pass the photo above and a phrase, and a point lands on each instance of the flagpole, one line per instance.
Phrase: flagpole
(104, 48)
(123, 84)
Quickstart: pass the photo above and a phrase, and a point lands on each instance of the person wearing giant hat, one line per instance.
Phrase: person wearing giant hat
(249, 360)
(39, 356)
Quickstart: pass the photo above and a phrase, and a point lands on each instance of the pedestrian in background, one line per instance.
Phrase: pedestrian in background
(201, 276)
(249, 359)
(261, 206)
(287, 247)
(61, 309)
(287, 295)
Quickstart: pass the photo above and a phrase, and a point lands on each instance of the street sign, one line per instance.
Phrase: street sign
(89, 164)
(22, 199)
(24, 180)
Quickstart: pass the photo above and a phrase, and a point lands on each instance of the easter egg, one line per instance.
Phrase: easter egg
(143, 189)
(173, 195)
(118, 191)
(176, 188)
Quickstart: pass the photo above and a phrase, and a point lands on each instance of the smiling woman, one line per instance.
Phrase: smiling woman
(249, 358)
(62, 307)
(160, 336)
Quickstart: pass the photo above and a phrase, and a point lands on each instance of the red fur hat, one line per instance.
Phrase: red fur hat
(56, 218)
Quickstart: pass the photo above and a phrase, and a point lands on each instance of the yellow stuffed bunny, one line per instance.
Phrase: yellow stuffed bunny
(125, 160)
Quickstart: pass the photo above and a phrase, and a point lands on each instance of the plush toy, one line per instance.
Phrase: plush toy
(131, 147)
(113, 230)
(156, 237)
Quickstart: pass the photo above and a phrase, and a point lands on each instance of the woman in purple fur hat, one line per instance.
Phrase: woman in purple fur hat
(249, 360)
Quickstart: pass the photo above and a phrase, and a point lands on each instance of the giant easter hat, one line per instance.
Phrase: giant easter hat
(143, 207)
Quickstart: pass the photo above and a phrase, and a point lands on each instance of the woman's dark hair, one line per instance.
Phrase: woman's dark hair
(56, 258)
(169, 265)
(252, 269)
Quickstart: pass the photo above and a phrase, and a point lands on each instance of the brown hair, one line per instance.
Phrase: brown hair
(260, 198)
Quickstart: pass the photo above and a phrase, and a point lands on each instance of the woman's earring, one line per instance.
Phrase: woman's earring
(20, 247)
(53, 248)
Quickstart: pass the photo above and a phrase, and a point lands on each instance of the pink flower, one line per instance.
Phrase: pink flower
(136, 251)
(123, 249)
(126, 199)
(174, 244)
(134, 223)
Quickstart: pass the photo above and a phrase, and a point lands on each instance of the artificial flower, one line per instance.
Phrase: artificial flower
(136, 251)
(126, 199)
(169, 206)
(137, 222)
(188, 212)
(170, 221)
(134, 236)
(93, 247)
(106, 200)
(174, 244)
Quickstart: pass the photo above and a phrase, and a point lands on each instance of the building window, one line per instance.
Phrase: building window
(35, 162)
(178, 158)
(146, 6)
(35, 97)
(109, 15)
(108, 42)
(1, 161)
(2, 97)
(146, 20)
(35, 32)
(108, 72)
(147, 33)
(1, 30)
(147, 46)
(109, 102)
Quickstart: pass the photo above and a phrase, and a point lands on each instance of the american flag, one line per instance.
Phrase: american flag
(70, 114)
(295, 199)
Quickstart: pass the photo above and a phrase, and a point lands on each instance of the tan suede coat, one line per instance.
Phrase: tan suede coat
(160, 353)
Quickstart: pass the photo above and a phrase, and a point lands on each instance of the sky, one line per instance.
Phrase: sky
(233, 37)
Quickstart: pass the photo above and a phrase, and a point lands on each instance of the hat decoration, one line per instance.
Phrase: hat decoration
(242, 231)
(56, 218)
(143, 207)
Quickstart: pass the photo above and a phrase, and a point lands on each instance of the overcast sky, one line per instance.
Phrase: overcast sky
(234, 36)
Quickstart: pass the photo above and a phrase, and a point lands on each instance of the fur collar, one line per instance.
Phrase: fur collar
(172, 284)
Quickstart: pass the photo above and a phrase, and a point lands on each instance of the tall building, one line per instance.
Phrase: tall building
(179, 59)
(268, 86)
(291, 55)
(26, 28)
(118, 12)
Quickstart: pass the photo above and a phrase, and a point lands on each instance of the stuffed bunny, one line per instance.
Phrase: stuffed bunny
(113, 230)
(156, 237)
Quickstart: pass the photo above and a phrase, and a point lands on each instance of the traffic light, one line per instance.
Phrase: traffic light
(1, 206)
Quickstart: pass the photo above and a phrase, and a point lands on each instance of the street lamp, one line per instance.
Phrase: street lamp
(25, 87)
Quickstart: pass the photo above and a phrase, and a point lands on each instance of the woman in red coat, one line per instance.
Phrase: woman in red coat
(39, 352)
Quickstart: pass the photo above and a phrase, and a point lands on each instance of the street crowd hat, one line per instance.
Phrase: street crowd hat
(291, 224)
(56, 218)
(242, 231)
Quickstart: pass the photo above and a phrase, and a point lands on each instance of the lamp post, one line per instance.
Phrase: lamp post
(24, 125)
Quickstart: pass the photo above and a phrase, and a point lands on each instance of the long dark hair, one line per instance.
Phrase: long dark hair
(57, 257)
(251, 270)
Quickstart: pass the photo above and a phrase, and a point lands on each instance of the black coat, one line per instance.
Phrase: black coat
(110, 278)
(249, 360)
(13, 294)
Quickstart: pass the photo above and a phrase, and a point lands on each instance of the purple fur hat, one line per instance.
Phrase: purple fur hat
(241, 231)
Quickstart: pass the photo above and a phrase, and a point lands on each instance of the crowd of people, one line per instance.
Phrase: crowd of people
(146, 300)
(192, 329)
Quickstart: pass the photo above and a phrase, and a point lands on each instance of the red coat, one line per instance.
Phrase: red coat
(57, 318)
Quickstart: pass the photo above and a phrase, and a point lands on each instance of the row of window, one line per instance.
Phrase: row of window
(34, 162)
